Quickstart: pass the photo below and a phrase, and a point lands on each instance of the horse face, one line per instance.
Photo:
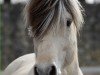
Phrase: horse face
(57, 21)
(56, 50)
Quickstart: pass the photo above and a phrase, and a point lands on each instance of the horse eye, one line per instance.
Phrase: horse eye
(69, 23)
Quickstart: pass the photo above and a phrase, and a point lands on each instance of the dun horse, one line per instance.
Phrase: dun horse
(53, 24)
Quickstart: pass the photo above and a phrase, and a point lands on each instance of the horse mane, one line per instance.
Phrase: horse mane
(40, 14)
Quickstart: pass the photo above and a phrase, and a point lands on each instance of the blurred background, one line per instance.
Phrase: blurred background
(15, 42)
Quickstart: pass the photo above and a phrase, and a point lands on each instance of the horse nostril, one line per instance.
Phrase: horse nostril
(36, 70)
(52, 70)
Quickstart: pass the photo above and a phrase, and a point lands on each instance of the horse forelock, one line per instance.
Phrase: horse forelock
(40, 14)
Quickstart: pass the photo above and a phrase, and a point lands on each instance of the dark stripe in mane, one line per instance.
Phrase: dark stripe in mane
(41, 14)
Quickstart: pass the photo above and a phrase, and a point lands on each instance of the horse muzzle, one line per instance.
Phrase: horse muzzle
(50, 70)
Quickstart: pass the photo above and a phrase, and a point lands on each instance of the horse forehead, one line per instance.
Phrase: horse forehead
(53, 41)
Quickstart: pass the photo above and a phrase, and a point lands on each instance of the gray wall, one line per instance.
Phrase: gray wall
(89, 41)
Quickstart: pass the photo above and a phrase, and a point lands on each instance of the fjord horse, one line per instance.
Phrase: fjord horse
(53, 24)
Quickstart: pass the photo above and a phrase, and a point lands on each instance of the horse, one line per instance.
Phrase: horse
(54, 26)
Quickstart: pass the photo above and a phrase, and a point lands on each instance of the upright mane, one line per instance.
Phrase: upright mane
(40, 14)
